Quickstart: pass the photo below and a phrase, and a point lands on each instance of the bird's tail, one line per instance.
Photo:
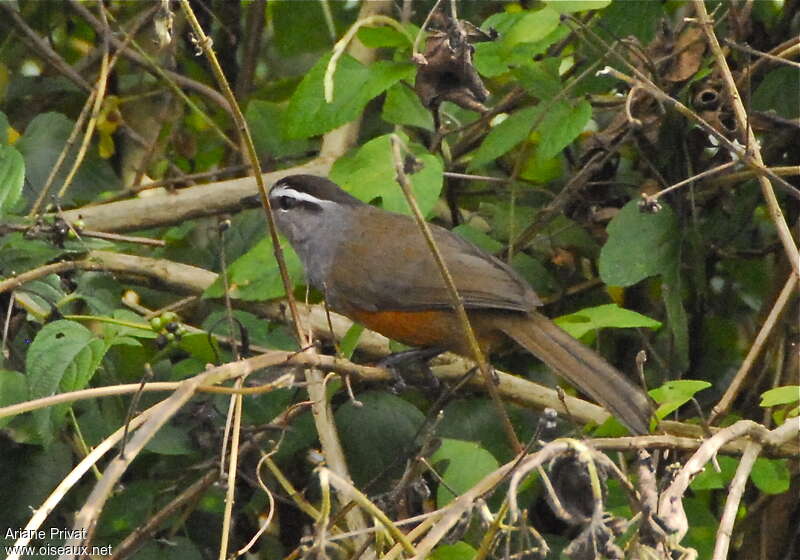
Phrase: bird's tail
(582, 367)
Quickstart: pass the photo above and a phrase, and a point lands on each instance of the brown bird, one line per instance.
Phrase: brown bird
(375, 267)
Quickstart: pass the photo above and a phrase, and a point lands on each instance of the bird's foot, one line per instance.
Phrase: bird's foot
(410, 364)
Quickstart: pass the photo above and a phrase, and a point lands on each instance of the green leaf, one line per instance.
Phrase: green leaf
(531, 269)
(540, 78)
(501, 22)
(467, 464)
(20, 254)
(780, 395)
(128, 508)
(375, 434)
(267, 122)
(402, 106)
(55, 349)
(102, 294)
(541, 171)
(639, 245)
(674, 394)
(672, 294)
(532, 26)
(84, 365)
(41, 145)
(4, 126)
(703, 524)
(771, 476)
(38, 472)
(64, 355)
(349, 341)
(491, 59)
(505, 136)
(515, 48)
(475, 419)
(368, 173)
(710, 479)
(40, 296)
(262, 409)
(255, 275)
(779, 92)
(188, 368)
(455, 551)
(561, 125)
(171, 440)
(300, 28)
(114, 333)
(197, 344)
(13, 390)
(260, 332)
(386, 36)
(639, 19)
(610, 315)
(354, 86)
(569, 6)
(12, 177)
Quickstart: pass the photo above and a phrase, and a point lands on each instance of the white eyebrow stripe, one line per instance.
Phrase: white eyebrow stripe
(288, 191)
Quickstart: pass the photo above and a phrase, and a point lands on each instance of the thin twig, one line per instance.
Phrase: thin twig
(73, 136)
(423, 29)
(322, 412)
(90, 233)
(247, 140)
(341, 45)
(86, 518)
(731, 178)
(471, 177)
(99, 97)
(787, 293)
(176, 82)
(345, 486)
(736, 150)
(123, 238)
(252, 47)
(750, 50)
(734, 497)
(782, 51)
(233, 462)
(784, 233)
(266, 523)
(693, 178)
(44, 48)
(190, 495)
(661, 96)
(455, 298)
(210, 199)
(16, 281)
(178, 79)
(670, 505)
(54, 498)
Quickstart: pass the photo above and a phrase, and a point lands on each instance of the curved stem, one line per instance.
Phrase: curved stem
(341, 45)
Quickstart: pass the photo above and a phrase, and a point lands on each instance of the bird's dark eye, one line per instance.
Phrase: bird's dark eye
(286, 202)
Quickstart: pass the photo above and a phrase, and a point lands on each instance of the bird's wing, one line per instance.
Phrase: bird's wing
(407, 277)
